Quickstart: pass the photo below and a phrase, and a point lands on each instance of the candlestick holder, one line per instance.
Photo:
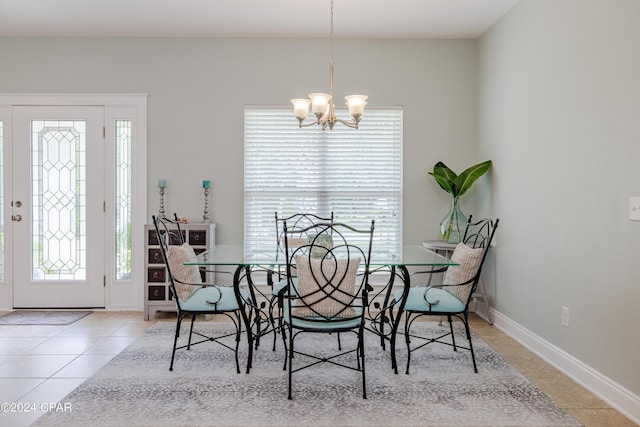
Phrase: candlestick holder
(206, 217)
(161, 210)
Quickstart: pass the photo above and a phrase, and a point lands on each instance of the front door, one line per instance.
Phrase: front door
(58, 207)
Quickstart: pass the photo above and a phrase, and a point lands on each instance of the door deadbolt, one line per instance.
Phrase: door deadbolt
(18, 204)
(17, 218)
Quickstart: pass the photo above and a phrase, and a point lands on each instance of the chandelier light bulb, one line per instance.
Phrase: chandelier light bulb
(356, 104)
(301, 108)
(319, 103)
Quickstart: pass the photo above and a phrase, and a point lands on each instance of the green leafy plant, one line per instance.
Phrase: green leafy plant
(457, 185)
(452, 225)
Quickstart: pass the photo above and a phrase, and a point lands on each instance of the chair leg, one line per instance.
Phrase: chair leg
(361, 350)
(290, 356)
(193, 319)
(473, 356)
(453, 338)
(175, 340)
(280, 313)
(276, 331)
(283, 331)
(273, 324)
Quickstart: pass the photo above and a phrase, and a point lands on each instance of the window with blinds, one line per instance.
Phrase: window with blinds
(354, 173)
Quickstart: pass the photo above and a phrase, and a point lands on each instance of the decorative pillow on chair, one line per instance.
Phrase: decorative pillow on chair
(177, 256)
(296, 242)
(469, 260)
(341, 273)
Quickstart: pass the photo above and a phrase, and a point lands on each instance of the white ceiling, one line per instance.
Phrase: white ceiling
(251, 18)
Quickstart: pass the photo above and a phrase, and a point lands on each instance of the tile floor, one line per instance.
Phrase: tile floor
(42, 364)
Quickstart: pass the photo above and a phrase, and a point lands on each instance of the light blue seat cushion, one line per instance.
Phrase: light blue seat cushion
(448, 303)
(338, 323)
(198, 299)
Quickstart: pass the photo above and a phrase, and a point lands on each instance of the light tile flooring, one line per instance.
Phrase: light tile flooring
(42, 364)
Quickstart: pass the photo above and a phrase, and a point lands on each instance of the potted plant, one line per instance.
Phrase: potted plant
(453, 224)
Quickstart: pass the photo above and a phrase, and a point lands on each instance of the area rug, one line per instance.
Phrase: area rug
(28, 317)
(136, 388)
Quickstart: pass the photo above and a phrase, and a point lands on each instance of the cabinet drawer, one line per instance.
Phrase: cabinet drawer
(155, 256)
(157, 293)
(153, 237)
(174, 238)
(198, 237)
(156, 274)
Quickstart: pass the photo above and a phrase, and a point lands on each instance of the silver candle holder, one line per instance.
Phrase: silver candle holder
(162, 183)
(206, 185)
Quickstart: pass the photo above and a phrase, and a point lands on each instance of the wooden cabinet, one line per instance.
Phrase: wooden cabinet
(157, 293)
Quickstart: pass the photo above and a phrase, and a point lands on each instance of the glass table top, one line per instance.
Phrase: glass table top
(408, 255)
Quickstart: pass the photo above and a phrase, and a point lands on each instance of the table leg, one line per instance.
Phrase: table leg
(237, 278)
(406, 283)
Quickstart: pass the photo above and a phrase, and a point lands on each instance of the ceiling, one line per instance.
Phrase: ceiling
(419, 19)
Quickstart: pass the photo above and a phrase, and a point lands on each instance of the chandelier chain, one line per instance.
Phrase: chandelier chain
(331, 57)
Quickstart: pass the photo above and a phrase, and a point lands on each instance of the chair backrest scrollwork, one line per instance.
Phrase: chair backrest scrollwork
(332, 274)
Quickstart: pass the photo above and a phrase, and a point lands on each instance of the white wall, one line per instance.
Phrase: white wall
(198, 87)
(559, 99)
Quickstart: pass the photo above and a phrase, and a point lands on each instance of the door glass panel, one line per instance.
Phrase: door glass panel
(123, 200)
(58, 153)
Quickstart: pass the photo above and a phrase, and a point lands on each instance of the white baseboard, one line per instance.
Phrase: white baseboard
(614, 394)
(124, 308)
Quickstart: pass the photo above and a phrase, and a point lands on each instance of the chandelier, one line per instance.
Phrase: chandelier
(322, 104)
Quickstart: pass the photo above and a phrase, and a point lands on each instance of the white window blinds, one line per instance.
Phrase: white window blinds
(354, 173)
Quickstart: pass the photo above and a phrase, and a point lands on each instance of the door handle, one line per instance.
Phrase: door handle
(16, 218)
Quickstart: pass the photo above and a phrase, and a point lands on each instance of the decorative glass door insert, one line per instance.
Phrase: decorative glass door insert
(58, 208)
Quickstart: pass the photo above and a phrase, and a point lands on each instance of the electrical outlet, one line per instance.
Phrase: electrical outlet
(565, 317)
(634, 208)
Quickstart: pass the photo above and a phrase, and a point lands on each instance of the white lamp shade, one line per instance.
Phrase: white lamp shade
(319, 102)
(356, 104)
(301, 108)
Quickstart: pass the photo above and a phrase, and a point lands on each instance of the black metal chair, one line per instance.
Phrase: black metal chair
(451, 298)
(191, 295)
(297, 224)
(330, 293)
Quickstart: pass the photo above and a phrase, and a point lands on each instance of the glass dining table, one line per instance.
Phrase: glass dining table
(389, 270)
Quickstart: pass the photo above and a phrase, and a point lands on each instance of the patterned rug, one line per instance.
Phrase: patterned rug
(137, 389)
(28, 317)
